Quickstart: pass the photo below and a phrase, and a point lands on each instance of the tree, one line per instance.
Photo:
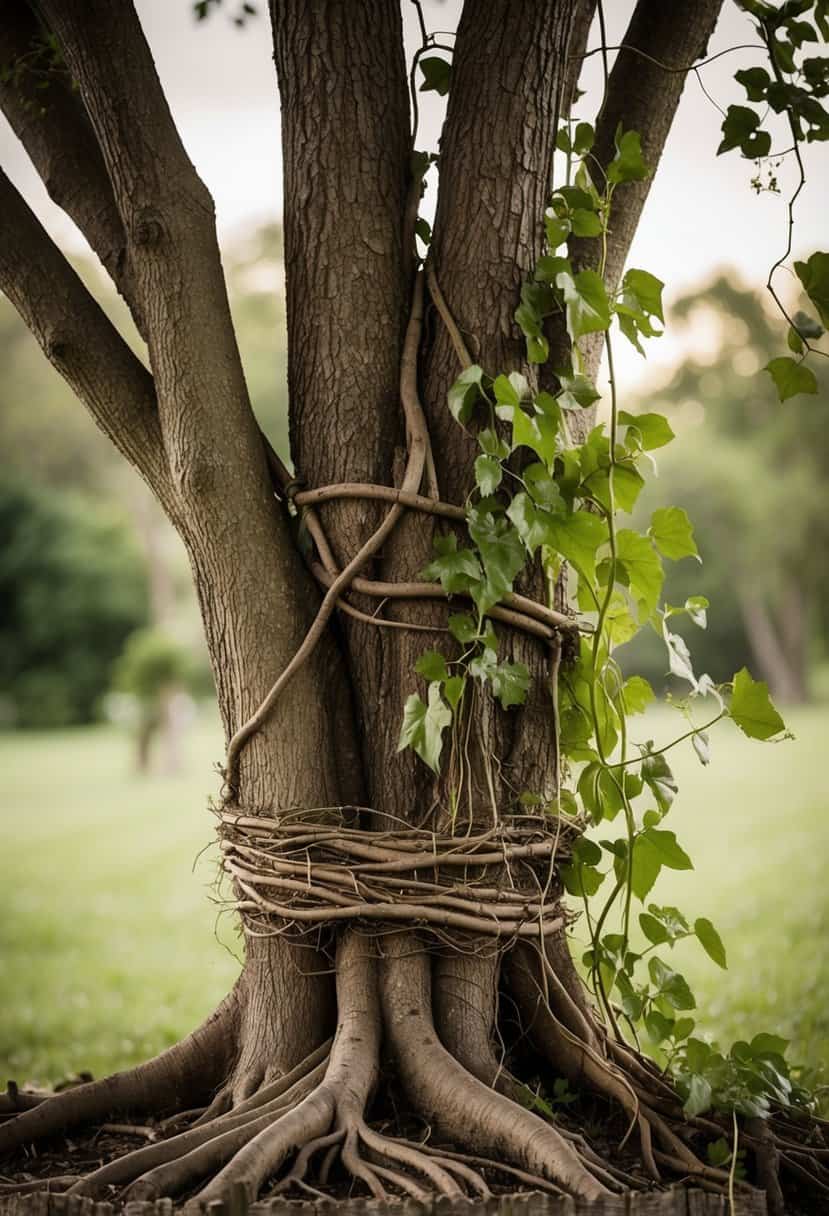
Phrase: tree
(767, 588)
(311, 689)
(73, 590)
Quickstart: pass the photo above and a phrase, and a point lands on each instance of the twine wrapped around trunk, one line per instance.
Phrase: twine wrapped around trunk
(290, 873)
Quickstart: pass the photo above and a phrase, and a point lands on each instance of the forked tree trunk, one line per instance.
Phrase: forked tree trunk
(110, 153)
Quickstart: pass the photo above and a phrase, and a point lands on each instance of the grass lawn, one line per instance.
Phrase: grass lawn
(107, 939)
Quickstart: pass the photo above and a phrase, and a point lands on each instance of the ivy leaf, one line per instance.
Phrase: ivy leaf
(672, 985)
(755, 81)
(490, 442)
(637, 694)
(665, 844)
(453, 691)
(642, 565)
(502, 554)
(752, 709)
(653, 929)
(465, 392)
(557, 230)
(510, 683)
(581, 880)
(586, 223)
(627, 165)
(646, 290)
(710, 941)
(583, 138)
(535, 431)
(586, 302)
(656, 773)
(528, 520)
(432, 666)
(577, 537)
(437, 75)
(600, 795)
(488, 474)
(577, 391)
(423, 726)
(457, 570)
(791, 377)
(463, 628)
(814, 275)
(659, 1027)
(647, 431)
(738, 125)
(510, 390)
(672, 533)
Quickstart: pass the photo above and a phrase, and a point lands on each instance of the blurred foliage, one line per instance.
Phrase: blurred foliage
(74, 581)
(748, 471)
(151, 662)
(72, 588)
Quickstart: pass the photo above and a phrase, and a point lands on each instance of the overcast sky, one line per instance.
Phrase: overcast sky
(701, 213)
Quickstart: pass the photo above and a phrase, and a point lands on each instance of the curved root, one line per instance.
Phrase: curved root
(447, 1095)
(182, 1074)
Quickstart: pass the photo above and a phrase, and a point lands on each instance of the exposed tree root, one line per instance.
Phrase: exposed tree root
(464, 1109)
(308, 1129)
(182, 1074)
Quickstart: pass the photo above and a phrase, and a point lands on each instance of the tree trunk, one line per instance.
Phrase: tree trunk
(313, 746)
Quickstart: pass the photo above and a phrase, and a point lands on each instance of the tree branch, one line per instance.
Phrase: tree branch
(53, 127)
(644, 97)
(254, 594)
(80, 341)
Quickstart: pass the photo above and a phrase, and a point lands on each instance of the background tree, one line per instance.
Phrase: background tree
(747, 468)
(72, 591)
(311, 707)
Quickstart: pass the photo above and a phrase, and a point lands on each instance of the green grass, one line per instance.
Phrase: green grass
(107, 946)
(756, 825)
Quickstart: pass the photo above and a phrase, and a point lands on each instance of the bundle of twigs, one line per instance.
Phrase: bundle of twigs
(495, 883)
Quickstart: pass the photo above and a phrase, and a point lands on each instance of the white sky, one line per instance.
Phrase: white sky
(701, 213)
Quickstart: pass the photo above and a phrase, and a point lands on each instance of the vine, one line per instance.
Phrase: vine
(541, 500)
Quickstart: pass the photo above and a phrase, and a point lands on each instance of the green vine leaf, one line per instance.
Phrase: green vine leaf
(814, 275)
(586, 303)
(457, 570)
(432, 666)
(465, 392)
(710, 941)
(637, 694)
(502, 554)
(739, 129)
(672, 533)
(437, 75)
(646, 431)
(671, 985)
(510, 683)
(657, 775)
(577, 391)
(643, 567)
(463, 628)
(752, 708)
(791, 377)
(423, 726)
(488, 474)
(627, 165)
(577, 537)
